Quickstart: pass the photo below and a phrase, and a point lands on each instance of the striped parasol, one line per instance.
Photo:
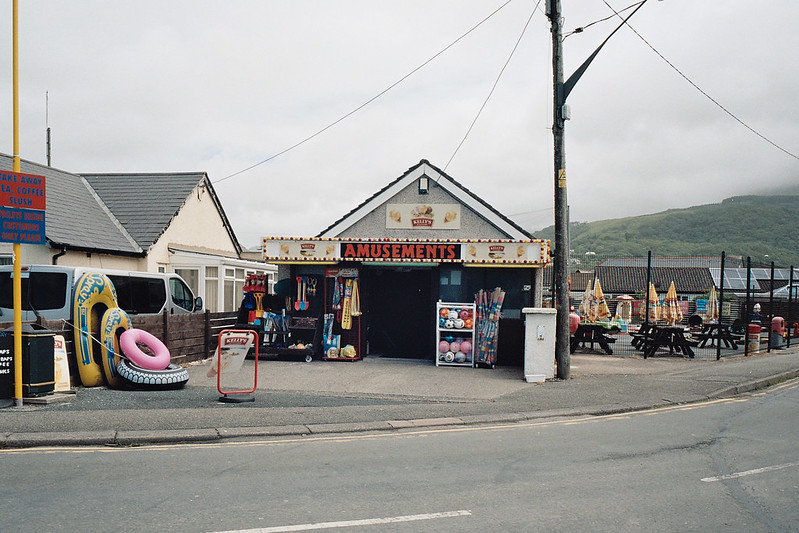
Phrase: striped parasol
(712, 307)
(599, 306)
(654, 305)
(585, 303)
(671, 309)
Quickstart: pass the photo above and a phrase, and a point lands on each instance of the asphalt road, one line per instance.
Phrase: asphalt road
(727, 464)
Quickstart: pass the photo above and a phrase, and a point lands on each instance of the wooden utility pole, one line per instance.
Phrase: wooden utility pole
(561, 258)
(560, 114)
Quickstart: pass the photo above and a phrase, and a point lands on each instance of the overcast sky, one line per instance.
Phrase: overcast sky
(218, 86)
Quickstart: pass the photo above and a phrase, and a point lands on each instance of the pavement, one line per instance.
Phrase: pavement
(376, 394)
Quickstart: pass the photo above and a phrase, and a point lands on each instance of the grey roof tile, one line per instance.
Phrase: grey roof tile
(145, 204)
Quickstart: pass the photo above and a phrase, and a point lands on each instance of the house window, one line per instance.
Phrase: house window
(234, 288)
(211, 299)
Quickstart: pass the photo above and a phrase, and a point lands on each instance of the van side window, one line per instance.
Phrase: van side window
(139, 295)
(181, 294)
(50, 291)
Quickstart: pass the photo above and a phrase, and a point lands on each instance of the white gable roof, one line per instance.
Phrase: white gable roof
(458, 191)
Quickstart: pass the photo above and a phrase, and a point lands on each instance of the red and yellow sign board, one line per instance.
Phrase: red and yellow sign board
(22, 208)
(532, 252)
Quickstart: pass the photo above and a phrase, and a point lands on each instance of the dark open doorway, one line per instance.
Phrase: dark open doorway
(399, 311)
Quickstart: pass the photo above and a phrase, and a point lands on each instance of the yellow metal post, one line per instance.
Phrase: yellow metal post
(17, 248)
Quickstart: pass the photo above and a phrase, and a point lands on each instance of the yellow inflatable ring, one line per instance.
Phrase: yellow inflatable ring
(94, 294)
(115, 321)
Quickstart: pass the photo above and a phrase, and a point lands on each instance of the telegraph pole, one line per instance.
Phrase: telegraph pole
(560, 114)
(561, 259)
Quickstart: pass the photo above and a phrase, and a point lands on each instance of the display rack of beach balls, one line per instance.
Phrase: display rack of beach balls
(455, 334)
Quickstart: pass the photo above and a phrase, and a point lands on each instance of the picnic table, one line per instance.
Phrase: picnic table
(713, 331)
(652, 337)
(592, 334)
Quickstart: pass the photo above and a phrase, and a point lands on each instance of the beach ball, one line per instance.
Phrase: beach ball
(443, 346)
(466, 347)
(455, 347)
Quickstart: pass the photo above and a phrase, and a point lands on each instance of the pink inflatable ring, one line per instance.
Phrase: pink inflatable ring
(128, 343)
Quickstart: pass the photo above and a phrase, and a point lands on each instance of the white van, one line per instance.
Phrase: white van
(47, 291)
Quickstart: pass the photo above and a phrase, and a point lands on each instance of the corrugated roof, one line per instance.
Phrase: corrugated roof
(145, 204)
(628, 280)
(632, 279)
(75, 217)
(698, 261)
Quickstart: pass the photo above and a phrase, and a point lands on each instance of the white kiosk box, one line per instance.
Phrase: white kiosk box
(539, 344)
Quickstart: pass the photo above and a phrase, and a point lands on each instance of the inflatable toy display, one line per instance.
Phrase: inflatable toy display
(94, 294)
(114, 322)
(128, 342)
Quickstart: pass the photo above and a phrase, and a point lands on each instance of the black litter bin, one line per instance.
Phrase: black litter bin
(38, 359)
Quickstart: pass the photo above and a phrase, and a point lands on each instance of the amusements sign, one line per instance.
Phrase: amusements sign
(534, 252)
(22, 208)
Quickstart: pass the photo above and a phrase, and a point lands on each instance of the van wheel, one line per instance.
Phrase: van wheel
(172, 377)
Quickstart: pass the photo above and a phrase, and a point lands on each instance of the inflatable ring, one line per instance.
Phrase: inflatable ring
(114, 320)
(172, 377)
(94, 293)
(160, 358)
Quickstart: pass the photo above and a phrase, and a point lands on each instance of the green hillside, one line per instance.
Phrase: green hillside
(753, 226)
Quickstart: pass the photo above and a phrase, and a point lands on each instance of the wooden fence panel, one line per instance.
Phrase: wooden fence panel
(189, 337)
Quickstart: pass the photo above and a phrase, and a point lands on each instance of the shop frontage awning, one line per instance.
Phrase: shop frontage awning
(469, 252)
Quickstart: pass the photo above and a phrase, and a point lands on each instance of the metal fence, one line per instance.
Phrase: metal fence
(718, 299)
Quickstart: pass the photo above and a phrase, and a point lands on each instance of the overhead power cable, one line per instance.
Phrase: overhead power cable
(515, 46)
(369, 101)
(706, 95)
(583, 28)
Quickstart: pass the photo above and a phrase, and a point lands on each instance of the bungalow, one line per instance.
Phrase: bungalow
(154, 222)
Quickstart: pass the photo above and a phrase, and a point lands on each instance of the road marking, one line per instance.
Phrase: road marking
(748, 472)
(388, 434)
(354, 523)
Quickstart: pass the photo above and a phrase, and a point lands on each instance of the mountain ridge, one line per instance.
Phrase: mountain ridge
(761, 227)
